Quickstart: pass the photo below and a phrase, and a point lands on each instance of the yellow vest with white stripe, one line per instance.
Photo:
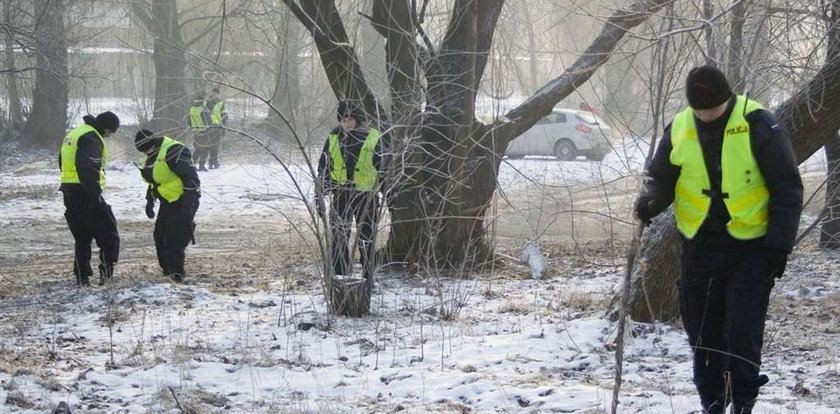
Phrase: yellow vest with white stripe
(365, 175)
(741, 179)
(69, 174)
(168, 184)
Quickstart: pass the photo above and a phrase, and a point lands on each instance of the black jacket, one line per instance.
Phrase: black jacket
(350, 145)
(772, 151)
(179, 160)
(88, 162)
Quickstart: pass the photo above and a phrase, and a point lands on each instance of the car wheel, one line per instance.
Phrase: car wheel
(565, 150)
(596, 157)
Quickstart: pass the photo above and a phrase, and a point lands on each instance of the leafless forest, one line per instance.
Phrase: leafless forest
(499, 278)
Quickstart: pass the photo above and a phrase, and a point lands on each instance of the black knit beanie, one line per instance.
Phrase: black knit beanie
(144, 140)
(706, 87)
(108, 120)
(349, 109)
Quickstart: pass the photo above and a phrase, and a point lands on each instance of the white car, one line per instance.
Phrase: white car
(565, 134)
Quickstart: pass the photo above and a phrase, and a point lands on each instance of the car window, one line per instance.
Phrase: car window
(559, 117)
(587, 118)
(545, 120)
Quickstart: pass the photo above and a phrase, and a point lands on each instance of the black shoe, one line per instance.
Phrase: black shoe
(106, 273)
(201, 168)
(741, 410)
(82, 281)
(177, 278)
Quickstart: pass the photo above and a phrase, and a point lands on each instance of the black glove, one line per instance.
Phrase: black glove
(646, 209)
(776, 260)
(150, 208)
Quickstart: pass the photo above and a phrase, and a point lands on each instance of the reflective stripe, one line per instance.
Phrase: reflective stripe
(168, 184)
(69, 148)
(741, 179)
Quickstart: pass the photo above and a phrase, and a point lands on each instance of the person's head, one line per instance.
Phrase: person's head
(214, 93)
(349, 115)
(108, 123)
(199, 98)
(708, 92)
(144, 141)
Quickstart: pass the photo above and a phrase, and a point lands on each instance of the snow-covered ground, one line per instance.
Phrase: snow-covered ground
(491, 343)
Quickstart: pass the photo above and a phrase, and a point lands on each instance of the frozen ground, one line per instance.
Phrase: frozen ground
(249, 333)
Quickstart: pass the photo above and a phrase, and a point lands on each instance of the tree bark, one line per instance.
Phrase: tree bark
(15, 107)
(48, 121)
(169, 59)
(735, 58)
(830, 227)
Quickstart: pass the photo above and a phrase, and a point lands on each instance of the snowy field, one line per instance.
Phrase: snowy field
(497, 342)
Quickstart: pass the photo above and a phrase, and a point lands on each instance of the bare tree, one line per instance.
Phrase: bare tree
(48, 120)
(830, 234)
(11, 12)
(452, 159)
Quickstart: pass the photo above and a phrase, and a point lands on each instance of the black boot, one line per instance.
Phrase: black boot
(177, 277)
(106, 273)
(715, 407)
(745, 409)
(83, 280)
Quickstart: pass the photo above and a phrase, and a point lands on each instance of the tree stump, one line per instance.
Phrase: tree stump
(348, 295)
(653, 281)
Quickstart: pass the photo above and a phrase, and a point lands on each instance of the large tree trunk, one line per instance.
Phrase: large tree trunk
(48, 121)
(453, 160)
(830, 228)
(169, 59)
(286, 95)
(15, 107)
(810, 118)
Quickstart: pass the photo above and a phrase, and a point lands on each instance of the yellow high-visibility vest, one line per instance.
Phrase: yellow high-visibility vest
(216, 113)
(69, 147)
(365, 175)
(196, 120)
(741, 180)
(168, 184)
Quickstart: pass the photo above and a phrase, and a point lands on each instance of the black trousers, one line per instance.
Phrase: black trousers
(216, 134)
(724, 292)
(349, 204)
(89, 220)
(173, 231)
(201, 150)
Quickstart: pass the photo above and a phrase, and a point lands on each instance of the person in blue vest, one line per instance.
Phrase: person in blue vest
(199, 122)
(82, 161)
(729, 169)
(173, 180)
(218, 123)
(350, 170)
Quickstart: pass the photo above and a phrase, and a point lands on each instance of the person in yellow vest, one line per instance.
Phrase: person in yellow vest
(729, 169)
(349, 168)
(173, 180)
(218, 123)
(82, 163)
(199, 122)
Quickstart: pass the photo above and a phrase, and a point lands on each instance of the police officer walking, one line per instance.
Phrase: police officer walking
(349, 167)
(173, 180)
(199, 122)
(218, 122)
(82, 161)
(729, 169)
